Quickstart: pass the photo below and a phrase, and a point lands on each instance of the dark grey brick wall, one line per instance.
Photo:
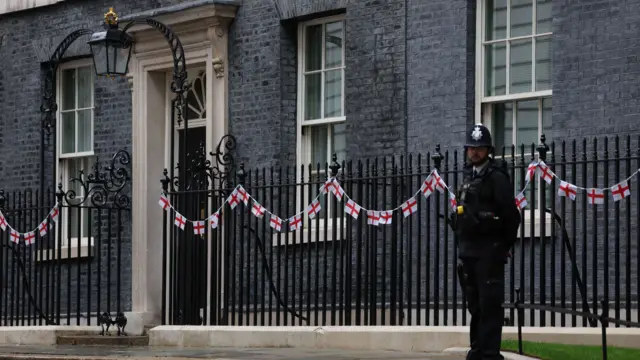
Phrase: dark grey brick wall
(409, 85)
(595, 68)
(31, 36)
(441, 65)
(375, 80)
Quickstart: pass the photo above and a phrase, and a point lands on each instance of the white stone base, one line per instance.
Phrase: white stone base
(41, 335)
(398, 338)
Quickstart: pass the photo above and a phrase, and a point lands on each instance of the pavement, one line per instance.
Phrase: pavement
(146, 353)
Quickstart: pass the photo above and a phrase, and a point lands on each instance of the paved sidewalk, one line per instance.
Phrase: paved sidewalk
(105, 352)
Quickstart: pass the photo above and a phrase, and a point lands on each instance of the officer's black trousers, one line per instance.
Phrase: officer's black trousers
(482, 280)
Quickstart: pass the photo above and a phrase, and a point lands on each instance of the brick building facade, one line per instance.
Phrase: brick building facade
(297, 80)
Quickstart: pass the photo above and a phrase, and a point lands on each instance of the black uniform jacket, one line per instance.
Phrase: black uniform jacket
(494, 195)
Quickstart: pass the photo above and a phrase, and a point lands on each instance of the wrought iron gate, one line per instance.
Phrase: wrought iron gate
(65, 259)
(193, 264)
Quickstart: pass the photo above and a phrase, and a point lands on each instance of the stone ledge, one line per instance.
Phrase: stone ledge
(390, 338)
(41, 335)
(92, 340)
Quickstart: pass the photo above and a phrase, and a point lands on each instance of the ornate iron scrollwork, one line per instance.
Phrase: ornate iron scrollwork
(201, 173)
(49, 106)
(101, 187)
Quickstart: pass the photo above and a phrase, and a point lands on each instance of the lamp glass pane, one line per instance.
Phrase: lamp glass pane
(99, 52)
(122, 60)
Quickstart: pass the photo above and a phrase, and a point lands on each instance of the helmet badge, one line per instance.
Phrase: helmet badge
(476, 134)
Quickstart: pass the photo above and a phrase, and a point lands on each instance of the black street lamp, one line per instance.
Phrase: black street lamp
(111, 52)
(111, 48)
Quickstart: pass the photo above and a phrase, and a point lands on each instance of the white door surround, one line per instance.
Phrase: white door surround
(203, 32)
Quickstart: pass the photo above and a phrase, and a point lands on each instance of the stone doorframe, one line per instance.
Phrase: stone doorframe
(203, 31)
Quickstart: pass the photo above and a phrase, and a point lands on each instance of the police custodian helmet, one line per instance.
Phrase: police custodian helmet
(478, 136)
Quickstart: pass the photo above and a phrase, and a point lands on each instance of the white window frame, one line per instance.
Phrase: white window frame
(483, 103)
(82, 247)
(303, 143)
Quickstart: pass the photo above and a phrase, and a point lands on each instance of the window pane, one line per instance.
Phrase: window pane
(84, 87)
(543, 14)
(333, 93)
(521, 17)
(312, 96)
(340, 141)
(313, 48)
(84, 130)
(543, 63)
(503, 128)
(68, 132)
(496, 20)
(547, 126)
(319, 137)
(68, 85)
(520, 70)
(496, 69)
(527, 123)
(334, 42)
(73, 214)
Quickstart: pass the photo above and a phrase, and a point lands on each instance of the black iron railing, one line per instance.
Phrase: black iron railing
(337, 270)
(72, 273)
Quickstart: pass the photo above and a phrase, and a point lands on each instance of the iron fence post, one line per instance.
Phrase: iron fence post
(543, 148)
(165, 188)
(335, 166)
(519, 314)
(604, 323)
(437, 158)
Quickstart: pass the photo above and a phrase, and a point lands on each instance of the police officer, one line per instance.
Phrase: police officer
(487, 221)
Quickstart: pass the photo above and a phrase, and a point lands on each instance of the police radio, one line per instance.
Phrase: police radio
(481, 214)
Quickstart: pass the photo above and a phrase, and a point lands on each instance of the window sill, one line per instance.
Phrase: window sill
(305, 236)
(82, 251)
(537, 225)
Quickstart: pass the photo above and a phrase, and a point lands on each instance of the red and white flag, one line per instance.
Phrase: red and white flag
(198, 227)
(567, 190)
(54, 214)
(43, 228)
(453, 203)
(338, 191)
(327, 187)
(409, 207)
(530, 171)
(521, 201)
(3, 222)
(214, 219)
(275, 223)
(258, 210)
(620, 191)
(439, 183)
(180, 221)
(313, 209)
(352, 208)
(373, 217)
(427, 186)
(595, 196)
(243, 195)
(164, 202)
(386, 217)
(30, 238)
(234, 199)
(545, 172)
(295, 222)
(15, 236)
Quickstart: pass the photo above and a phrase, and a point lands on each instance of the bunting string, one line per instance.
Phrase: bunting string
(431, 184)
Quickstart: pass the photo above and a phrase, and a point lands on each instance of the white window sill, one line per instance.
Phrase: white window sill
(537, 224)
(305, 236)
(82, 251)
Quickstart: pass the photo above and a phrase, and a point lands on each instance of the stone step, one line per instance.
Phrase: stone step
(93, 340)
